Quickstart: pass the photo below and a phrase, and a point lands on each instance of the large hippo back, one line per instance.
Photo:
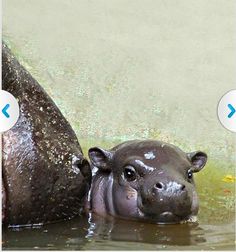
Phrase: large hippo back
(45, 175)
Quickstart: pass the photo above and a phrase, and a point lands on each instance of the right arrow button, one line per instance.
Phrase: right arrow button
(232, 109)
(227, 110)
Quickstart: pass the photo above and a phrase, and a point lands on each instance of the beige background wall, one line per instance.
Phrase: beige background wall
(132, 69)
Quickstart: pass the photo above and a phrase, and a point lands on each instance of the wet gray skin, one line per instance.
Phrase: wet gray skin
(45, 175)
(146, 180)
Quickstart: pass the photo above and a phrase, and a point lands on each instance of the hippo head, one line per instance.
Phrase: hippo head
(149, 180)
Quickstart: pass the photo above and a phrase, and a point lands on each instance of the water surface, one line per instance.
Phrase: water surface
(215, 229)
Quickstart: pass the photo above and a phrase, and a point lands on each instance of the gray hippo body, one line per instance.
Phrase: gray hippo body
(148, 180)
(45, 175)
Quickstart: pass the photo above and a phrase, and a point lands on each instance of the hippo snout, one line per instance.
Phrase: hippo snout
(164, 188)
(166, 201)
(170, 187)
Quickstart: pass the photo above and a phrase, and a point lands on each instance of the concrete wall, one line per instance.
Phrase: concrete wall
(123, 69)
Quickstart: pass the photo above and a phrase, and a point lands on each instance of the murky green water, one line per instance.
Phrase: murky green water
(101, 234)
(215, 229)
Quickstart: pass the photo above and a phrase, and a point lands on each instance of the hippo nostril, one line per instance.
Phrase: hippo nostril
(182, 187)
(159, 185)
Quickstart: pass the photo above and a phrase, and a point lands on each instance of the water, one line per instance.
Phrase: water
(115, 234)
(215, 229)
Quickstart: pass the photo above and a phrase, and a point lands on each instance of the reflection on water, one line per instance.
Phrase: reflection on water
(120, 230)
(94, 232)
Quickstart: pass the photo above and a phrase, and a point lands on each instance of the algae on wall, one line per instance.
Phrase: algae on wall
(121, 70)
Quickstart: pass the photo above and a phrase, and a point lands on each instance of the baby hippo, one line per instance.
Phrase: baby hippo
(146, 180)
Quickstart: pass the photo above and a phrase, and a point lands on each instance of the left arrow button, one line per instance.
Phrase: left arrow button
(4, 110)
(9, 110)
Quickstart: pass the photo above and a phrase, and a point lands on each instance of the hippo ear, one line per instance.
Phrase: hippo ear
(100, 158)
(81, 163)
(198, 160)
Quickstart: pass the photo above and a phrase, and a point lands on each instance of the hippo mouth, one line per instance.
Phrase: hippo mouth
(165, 217)
(169, 218)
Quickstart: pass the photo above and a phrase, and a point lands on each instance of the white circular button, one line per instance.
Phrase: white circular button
(227, 110)
(9, 110)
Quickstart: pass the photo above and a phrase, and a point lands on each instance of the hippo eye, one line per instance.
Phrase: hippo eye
(190, 174)
(130, 173)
